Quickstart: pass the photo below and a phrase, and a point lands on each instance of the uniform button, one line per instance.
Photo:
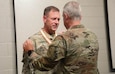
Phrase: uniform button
(51, 39)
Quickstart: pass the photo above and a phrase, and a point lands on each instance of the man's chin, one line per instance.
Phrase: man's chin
(54, 29)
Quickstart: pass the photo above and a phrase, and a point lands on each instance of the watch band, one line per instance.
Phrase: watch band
(30, 52)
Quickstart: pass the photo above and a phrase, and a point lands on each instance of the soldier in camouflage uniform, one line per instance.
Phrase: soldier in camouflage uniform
(42, 39)
(76, 50)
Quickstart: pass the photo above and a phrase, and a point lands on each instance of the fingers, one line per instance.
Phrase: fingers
(27, 45)
(28, 41)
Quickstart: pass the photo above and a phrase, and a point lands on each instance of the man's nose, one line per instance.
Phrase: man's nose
(57, 21)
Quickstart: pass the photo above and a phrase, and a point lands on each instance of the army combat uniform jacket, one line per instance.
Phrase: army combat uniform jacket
(76, 50)
(39, 43)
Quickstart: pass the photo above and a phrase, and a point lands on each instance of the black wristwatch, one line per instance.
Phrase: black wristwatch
(30, 52)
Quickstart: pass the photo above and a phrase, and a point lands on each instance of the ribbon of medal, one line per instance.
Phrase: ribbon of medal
(47, 39)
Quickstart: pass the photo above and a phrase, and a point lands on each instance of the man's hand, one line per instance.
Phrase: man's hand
(28, 45)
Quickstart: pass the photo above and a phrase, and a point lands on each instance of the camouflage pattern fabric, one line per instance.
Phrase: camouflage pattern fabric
(39, 43)
(76, 50)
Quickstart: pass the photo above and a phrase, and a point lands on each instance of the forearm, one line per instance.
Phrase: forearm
(55, 53)
(42, 63)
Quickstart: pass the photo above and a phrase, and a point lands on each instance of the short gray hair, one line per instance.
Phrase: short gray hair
(72, 9)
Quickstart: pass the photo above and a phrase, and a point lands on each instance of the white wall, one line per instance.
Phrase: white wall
(93, 18)
(111, 12)
(7, 43)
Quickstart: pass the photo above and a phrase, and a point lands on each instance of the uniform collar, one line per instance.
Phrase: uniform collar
(47, 36)
(77, 26)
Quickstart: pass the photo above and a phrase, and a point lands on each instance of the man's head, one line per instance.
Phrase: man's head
(51, 19)
(71, 12)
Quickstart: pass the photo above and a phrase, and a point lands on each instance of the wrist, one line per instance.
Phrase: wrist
(30, 52)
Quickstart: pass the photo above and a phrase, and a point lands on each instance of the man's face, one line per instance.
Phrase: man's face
(52, 21)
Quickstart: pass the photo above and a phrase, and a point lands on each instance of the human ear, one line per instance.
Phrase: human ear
(65, 15)
(44, 18)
